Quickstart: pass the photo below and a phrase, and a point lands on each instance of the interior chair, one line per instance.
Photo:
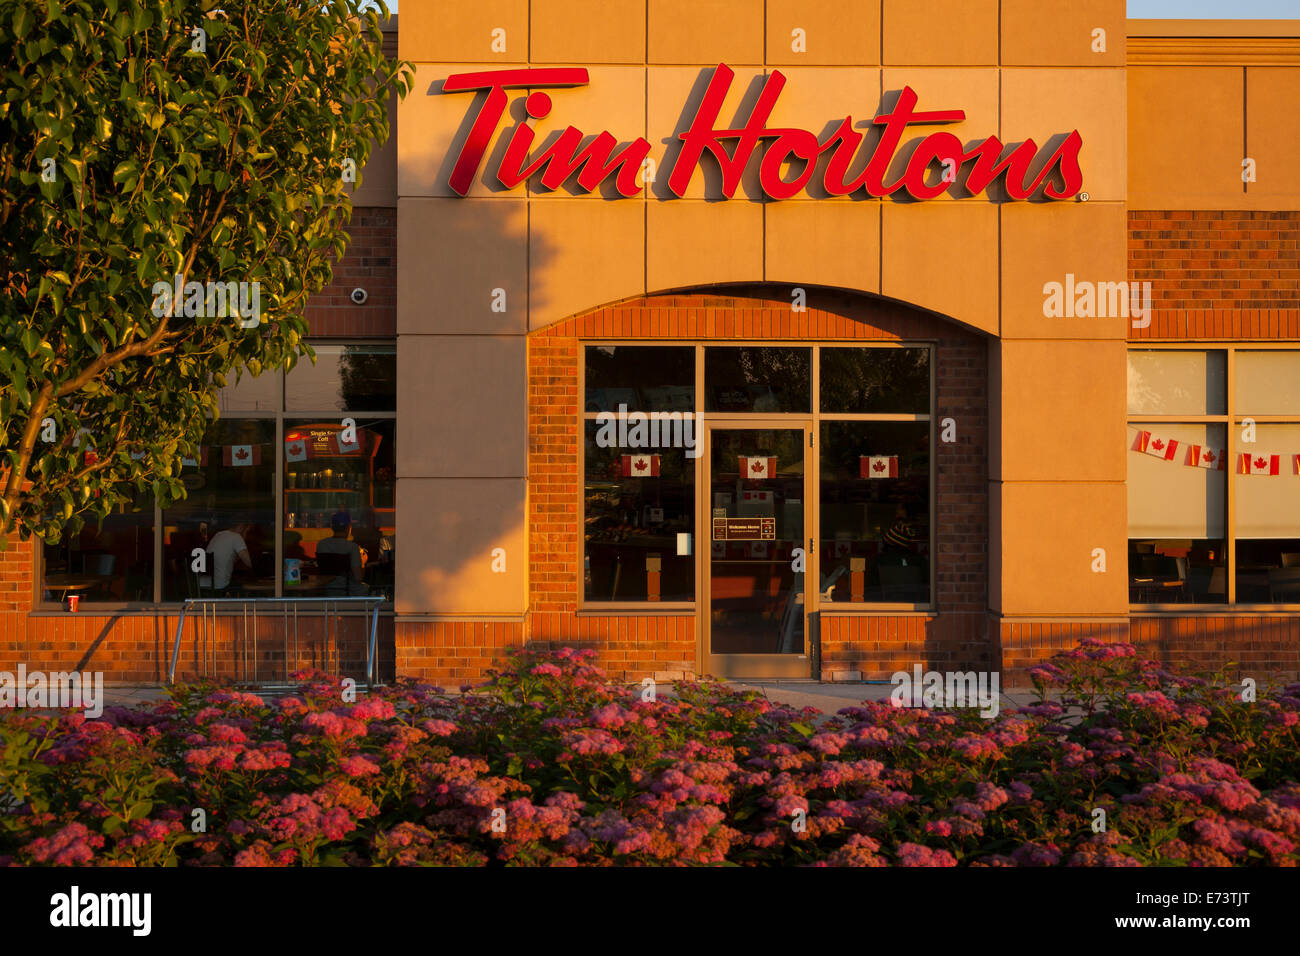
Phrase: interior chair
(334, 566)
(1291, 559)
(1284, 585)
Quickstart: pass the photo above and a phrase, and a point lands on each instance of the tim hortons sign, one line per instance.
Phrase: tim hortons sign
(938, 163)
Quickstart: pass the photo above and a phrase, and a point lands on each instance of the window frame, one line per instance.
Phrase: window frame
(1231, 419)
(279, 416)
(812, 513)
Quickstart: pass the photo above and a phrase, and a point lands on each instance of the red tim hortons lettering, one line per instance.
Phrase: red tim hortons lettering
(1025, 169)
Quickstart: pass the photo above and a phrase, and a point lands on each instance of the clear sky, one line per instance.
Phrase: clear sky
(1185, 9)
(1213, 9)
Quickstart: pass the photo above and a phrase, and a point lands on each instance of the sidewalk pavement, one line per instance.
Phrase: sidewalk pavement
(830, 697)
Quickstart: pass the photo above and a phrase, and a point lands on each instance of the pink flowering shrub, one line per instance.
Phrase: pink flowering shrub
(550, 764)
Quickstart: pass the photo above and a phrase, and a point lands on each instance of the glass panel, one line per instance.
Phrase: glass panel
(229, 512)
(358, 378)
(748, 379)
(756, 507)
(875, 380)
(1267, 383)
(249, 394)
(340, 524)
(635, 549)
(875, 512)
(109, 561)
(1169, 382)
(645, 378)
(1268, 517)
(1177, 496)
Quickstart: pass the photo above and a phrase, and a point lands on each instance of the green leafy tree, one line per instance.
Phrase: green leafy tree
(144, 140)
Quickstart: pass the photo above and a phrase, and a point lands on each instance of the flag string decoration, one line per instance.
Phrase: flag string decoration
(1211, 458)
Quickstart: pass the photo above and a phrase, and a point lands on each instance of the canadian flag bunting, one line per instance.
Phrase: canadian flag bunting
(1212, 458)
(296, 448)
(1259, 464)
(757, 497)
(1158, 447)
(241, 456)
(878, 466)
(640, 466)
(757, 467)
(195, 462)
(758, 549)
(347, 447)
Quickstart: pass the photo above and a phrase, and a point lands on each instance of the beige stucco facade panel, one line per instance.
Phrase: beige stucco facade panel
(1040, 104)
(613, 102)
(673, 95)
(1062, 411)
(973, 90)
(463, 32)
(1184, 137)
(377, 184)
(588, 31)
(1273, 136)
(824, 243)
(583, 255)
(706, 32)
(433, 126)
(456, 525)
(1049, 531)
(1049, 242)
(943, 256)
(941, 33)
(1061, 32)
(834, 33)
(691, 243)
(817, 99)
(463, 406)
(459, 253)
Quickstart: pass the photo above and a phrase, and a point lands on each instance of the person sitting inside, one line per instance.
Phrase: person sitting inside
(223, 549)
(348, 579)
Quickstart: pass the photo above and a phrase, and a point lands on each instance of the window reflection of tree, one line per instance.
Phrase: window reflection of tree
(880, 380)
(366, 379)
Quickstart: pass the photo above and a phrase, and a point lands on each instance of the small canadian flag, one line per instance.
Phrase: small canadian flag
(344, 446)
(1212, 458)
(758, 549)
(640, 466)
(1259, 464)
(195, 462)
(757, 497)
(757, 467)
(1158, 447)
(296, 448)
(241, 456)
(878, 466)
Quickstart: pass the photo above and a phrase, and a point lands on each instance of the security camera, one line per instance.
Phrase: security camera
(359, 296)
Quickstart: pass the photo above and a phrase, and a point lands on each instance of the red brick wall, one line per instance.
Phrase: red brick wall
(370, 263)
(1217, 274)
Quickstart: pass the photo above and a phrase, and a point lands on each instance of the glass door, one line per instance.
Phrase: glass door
(756, 622)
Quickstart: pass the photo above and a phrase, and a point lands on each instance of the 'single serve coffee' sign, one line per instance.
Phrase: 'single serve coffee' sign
(938, 163)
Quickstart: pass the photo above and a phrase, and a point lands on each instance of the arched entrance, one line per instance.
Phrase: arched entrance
(763, 491)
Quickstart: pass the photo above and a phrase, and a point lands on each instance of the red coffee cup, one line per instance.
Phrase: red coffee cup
(72, 602)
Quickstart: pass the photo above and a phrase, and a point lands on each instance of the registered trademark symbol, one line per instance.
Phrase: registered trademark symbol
(1083, 197)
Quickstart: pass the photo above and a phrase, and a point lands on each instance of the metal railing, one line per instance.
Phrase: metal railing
(247, 609)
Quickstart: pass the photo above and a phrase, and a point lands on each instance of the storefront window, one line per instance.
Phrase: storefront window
(229, 513)
(875, 380)
(340, 531)
(875, 512)
(1181, 475)
(231, 516)
(753, 379)
(639, 510)
(645, 378)
(107, 562)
